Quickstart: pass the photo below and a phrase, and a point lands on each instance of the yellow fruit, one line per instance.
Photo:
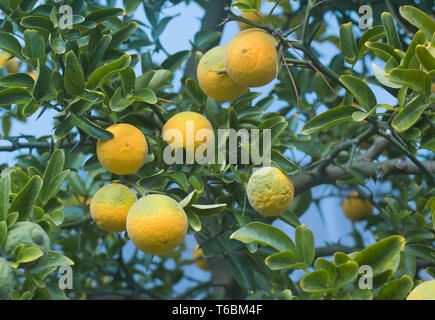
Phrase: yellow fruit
(251, 16)
(126, 152)
(156, 224)
(110, 206)
(424, 291)
(198, 256)
(356, 208)
(251, 58)
(33, 75)
(214, 80)
(11, 65)
(190, 121)
(270, 191)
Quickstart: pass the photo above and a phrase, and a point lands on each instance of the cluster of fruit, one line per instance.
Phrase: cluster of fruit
(251, 59)
(156, 223)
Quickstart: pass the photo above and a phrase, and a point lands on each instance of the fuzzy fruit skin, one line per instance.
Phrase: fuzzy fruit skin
(355, 208)
(156, 224)
(270, 191)
(198, 256)
(251, 58)
(126, 153)
(110, 206)
(251, 16)
(214, 80)
(6, 279)
(30, 235)
(424, 291)
(179, 122)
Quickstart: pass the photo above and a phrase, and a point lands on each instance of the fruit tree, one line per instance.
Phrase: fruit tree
(156, 163)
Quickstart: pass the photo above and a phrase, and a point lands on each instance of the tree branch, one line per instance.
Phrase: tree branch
(306, 181)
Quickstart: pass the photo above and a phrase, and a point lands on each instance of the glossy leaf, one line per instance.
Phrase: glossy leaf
(265, 235)
(330, 118)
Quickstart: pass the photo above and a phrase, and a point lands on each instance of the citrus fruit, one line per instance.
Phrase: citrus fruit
(6, 279)
(424, 291)
(29, 234)
(251, 16)
(251, 58)
(156, 224)
(187, 125)
(126, 152)
(110, 206)
(12, 65)
(198, 256)
(214, 80)
(269, 191)
(356, 208)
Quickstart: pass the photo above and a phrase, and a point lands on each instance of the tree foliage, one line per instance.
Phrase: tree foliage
(101, 71)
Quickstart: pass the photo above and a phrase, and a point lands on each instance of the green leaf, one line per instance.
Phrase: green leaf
(194, 91)
(390, 30)
(54, 168)
(145, 95)
(74, 78)
(284, 163)
(189, 199)
(208, 210)
(3, 233)
(51, 261)
(383, 79)
(346, 273)
(98, 52)
(330, 118)
(414, 79)
(316, 281)
(174, 61)
(419, 19)
(4, 197)
(243, 273)
(38, 22)
(159, 78)
(410, 114)
(24, 201)
(123, 34)
(418, 39)
(118, 103)
(104, 14)
(284, 260)
(17, 80)
(91, 128)
(305, 250)
(179, 178)
(348, 44)
(290, 218)
(361, 91)
(29, 254)
(205, 38)
(425, 57)
(34, 45)
(14, 96)
(379, 254)
(43, 82)
(396, 290)
(265, 235)
(193, 220)
(421, 251)
(10, 44)
(373, 34)
(56, 42)
(104, 73)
